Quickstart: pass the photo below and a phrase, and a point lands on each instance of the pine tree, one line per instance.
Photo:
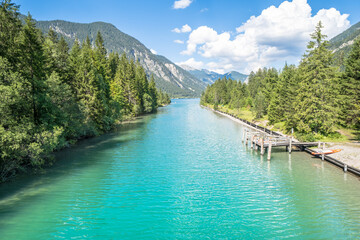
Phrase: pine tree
(140, 77)
(118, 84)
(152, 93)
(10, 29)
(32, 66)
(62, 60)
(50, 97)
(73, 63)
(113, 63)
(260, 105)
(350, 89)
(315, 103)
(283, 95)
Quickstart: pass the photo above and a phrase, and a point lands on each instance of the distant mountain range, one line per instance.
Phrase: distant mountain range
(342, 43)
(168, 76)
(210, 77)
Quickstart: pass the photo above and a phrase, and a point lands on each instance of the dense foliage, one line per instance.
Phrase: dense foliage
(51, 96)
(312, 98)
(167, 75)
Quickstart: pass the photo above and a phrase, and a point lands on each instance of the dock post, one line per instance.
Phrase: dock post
(345, 168)
(319, 145)
(269, 152)
(262, 146)
(246, 138)
(323, 155)
(290, 145)
(252, 141)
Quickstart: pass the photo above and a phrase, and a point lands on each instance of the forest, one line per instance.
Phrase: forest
(314, 98)
(51, 96)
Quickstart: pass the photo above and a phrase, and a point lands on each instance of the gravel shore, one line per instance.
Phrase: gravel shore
(349, 154)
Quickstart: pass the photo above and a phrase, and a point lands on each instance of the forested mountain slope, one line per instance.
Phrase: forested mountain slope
(342, 43)
(168, 76)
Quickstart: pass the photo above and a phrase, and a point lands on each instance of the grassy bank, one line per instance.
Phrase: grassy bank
(341, 135)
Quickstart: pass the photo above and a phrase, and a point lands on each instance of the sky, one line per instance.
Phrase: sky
(218, 35)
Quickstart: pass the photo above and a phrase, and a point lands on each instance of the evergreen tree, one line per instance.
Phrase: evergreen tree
(32, 66)
(260, 105)
(350, 89)
(283, 95)
(315, 103)
(117, 86)
(10, 29)
(113, 63)
(50, 97)
(73, 63)
(152, 93)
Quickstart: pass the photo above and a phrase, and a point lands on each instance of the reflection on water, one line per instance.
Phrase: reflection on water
(182, 173)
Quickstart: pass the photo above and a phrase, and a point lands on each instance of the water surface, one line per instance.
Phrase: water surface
(180, 174)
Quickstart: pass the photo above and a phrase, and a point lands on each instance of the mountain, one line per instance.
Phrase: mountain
(236, 76)
(210, 77)
(168, 76)
(342, 43)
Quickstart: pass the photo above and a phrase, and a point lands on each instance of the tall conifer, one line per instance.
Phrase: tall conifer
(316, 101)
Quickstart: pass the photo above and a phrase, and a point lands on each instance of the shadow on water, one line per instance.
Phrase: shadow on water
(81, 155)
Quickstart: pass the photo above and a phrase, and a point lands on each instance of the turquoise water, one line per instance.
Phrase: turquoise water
(180, 174)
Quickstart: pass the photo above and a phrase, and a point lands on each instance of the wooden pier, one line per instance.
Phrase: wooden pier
(263, 139)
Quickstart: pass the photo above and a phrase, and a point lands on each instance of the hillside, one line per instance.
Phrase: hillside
(342, 43)
(168, 76)
(210, 77)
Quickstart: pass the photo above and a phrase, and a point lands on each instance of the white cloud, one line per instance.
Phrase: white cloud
(184, 29)
(277, 34)
(181, 4)
(153, 51)
(176, 30)
(192, 63)
(179, 41)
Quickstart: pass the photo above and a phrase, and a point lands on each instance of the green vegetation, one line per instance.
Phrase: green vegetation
(315, 98)
(50, 96)
(167, 75)
(342, 44)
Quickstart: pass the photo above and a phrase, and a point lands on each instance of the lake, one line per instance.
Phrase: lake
(182, 173)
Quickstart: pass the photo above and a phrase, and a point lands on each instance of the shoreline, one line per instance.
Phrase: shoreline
(30, 170)
(348, 159)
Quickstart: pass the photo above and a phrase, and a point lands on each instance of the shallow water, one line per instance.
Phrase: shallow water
(181, 174)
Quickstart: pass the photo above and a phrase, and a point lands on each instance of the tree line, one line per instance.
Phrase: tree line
(312, 98)
(51, 95)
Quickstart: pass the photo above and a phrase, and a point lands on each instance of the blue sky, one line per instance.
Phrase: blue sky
(219, 35)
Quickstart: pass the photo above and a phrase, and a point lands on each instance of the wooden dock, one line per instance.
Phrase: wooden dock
(263, 139)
